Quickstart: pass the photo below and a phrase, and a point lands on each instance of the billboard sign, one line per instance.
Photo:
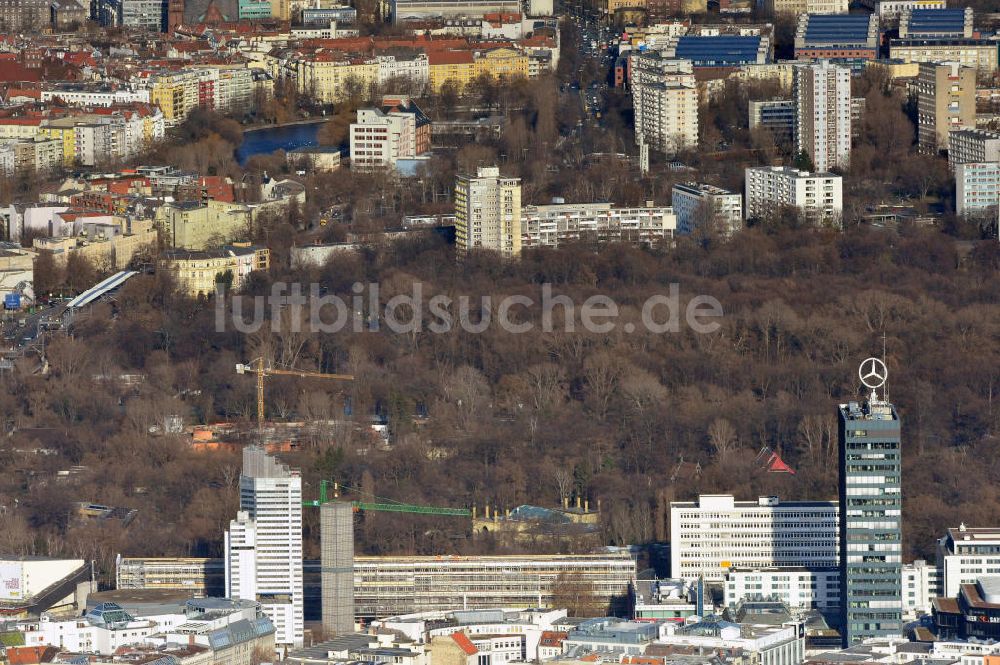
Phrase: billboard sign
(10, 581)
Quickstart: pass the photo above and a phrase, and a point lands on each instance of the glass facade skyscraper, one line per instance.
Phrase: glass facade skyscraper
(870, 520)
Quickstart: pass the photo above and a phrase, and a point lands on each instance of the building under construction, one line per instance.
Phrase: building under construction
(393, 585)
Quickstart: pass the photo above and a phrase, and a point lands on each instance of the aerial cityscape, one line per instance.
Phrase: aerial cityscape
(490, 332)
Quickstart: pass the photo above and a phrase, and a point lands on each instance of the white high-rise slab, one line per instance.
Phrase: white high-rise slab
(264, 544)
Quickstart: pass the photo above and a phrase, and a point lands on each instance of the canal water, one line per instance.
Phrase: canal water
(266, 140)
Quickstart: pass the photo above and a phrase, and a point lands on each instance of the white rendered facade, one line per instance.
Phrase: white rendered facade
(965, 554)
(766, 644)
(816, 194)
(665, 100)
(921, 583)
(550, 225)
(716, 532)
(379, 139)
(84, 96)
(977, 187)
(264, 544)
(488, 212)
(799, 588)
(823, 114)
(414, 69)
(688, 198)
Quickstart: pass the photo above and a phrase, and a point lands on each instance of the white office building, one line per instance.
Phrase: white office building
(488, 212)
(264, 544)
(693, 201)
(966, 554)
(716, 533)
(822, 94)
(977, 187)
(818, 195)
(665, 102)
(921, 583)
(764, 643)
(799, 588)
(552, 225)
(378, 139)
(971, 146)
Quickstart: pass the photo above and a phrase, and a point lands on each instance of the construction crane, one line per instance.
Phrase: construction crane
(385, 505)
(256, 366)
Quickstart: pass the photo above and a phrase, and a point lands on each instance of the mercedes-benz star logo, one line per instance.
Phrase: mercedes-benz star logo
(873, 373)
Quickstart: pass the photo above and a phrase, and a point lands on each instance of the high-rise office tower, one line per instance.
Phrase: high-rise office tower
(488, 212)
(264, 544)
(870, 507)
(336, 535)
(823, 114)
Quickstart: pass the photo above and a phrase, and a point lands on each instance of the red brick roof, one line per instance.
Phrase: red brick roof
(449, 57)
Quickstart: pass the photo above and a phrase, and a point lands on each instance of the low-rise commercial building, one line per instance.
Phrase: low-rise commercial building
(798, 587)
(766, 643)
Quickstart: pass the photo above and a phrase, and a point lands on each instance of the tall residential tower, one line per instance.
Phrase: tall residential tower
(488, 212)
(264, 544)
(870, 507)
(823, 114)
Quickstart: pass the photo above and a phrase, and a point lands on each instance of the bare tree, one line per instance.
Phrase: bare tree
(722, 436)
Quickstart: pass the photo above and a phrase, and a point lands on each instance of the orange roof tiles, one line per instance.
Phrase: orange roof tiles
(463, 641)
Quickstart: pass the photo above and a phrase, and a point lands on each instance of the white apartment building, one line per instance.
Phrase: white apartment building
(716, 533)
(264, 544)
(378, 139)
(665, 101)
(921, 584)
(968, 146)
(977, 187)
(411, 67)
(799, 588)
(551, 225)
(818, 195)
(692, 200)
(965, 554)
(80, 95)
(488, 212)
(822, 93)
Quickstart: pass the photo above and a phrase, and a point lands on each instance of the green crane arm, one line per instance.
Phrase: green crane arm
(410, 508)
(389, 507)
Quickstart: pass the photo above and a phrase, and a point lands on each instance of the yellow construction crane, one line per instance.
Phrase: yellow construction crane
(256, 366)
